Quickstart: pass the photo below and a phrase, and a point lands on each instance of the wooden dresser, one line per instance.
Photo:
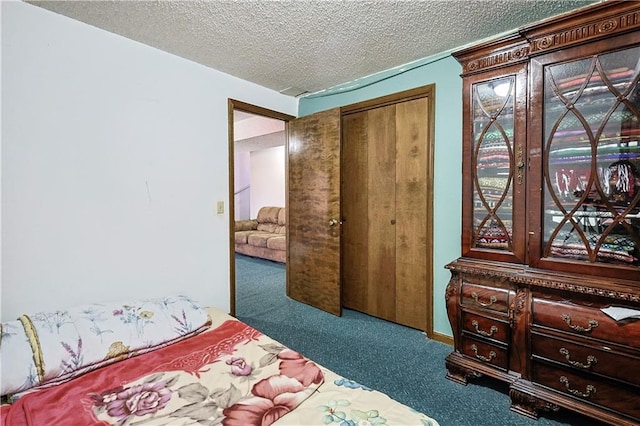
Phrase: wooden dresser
(551, 215)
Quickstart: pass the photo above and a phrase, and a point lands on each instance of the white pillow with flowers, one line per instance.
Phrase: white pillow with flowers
(46, 348)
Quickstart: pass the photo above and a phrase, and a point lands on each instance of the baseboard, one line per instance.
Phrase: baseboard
(442, 338)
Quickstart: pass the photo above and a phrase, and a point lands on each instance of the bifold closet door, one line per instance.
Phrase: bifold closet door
(368, 205)
(384, 202)
(413, 248)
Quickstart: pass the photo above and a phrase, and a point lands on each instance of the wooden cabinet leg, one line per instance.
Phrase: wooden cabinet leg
(460, 374)
(527, 405)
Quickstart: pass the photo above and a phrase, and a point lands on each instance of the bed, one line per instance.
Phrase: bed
(171, 362)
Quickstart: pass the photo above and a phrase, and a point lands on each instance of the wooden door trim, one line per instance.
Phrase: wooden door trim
(429, 92)
(232, 105)
(394, 98)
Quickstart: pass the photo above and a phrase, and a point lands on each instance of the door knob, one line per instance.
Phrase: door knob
(333, 222)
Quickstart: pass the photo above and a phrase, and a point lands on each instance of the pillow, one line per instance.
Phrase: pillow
(48, 348)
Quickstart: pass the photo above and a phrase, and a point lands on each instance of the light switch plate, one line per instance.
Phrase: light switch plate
(220, 207)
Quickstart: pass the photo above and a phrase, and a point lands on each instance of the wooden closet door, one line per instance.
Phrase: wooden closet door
(386, 256)
(368, 199)
(412, 245)
(355, 205)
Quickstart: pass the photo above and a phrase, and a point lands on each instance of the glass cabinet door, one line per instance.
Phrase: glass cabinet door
(493, 159)
(591, 159)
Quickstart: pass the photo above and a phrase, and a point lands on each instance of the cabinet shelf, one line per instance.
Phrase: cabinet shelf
(592, 213)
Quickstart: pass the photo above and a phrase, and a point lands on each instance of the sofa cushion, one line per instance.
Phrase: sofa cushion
(282, 221)
(242, 236)
(267, 227)
(259, 239)
(246, 225)
(268, 215)
(245, 237)
(277, 243)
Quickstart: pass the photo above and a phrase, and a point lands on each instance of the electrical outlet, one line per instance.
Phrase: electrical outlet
(220, 207)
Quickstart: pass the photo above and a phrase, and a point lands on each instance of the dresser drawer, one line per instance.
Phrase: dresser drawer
(585, 321)
(598, 359)
(486, 352)
(491, 328)
(623, 399)
(484, 297)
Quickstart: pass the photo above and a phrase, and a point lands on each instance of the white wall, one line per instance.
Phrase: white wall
(267, 178)
(113, 157)
(257, 126)
(242, 176)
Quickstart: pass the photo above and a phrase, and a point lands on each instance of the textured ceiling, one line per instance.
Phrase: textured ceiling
(297, 46)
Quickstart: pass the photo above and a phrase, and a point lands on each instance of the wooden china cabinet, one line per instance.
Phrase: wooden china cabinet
(546, 295)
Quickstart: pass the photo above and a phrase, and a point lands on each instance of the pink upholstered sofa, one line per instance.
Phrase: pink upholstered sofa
(264, 236)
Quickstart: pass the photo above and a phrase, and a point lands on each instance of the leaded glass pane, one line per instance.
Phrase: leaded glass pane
(493, 121)
(592, 159)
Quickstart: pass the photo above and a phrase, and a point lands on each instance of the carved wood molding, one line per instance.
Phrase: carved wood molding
(506, 57)
(578, 288)
(528, 404)
(460, 374)
(601, 28)
(519, 301)
(561, 283)
(451, 289)
(539, 39)
(483, 271)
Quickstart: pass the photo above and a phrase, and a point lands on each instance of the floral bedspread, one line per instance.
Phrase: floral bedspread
(343, 402)
(230, 375)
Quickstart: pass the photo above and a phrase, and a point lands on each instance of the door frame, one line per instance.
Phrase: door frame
(232, 106)
(428, 90)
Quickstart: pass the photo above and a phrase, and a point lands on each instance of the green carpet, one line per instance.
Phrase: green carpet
(394, 359)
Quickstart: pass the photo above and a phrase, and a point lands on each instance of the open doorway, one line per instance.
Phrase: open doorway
(257, 168)
(259, 163)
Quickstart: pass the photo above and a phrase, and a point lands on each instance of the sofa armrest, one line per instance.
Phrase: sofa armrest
(246, 225)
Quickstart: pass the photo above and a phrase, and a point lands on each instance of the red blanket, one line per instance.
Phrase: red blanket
(258, 382)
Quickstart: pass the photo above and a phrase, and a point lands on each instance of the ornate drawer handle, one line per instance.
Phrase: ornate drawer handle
(491, 301)
(590, 388)
(491, 332)
(592, 324)
(591, 360)
(492, 354)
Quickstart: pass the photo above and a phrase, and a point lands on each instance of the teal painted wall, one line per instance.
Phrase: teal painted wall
(444, 71)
